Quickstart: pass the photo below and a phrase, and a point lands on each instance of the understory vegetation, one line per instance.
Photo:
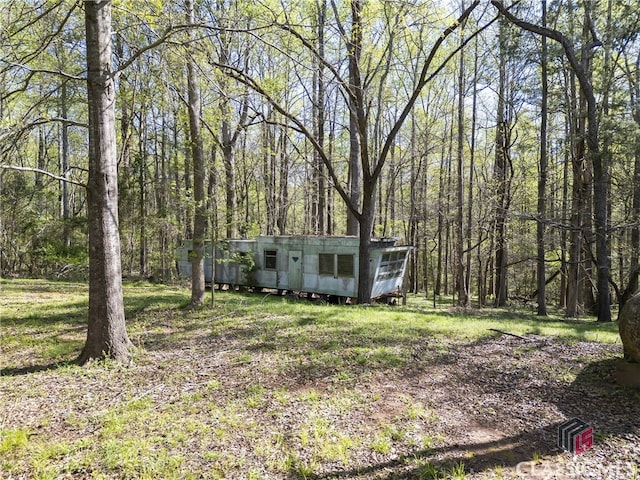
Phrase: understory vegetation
(261, 386)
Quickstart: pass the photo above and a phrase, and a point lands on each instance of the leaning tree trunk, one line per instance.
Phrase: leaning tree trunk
(106, 333)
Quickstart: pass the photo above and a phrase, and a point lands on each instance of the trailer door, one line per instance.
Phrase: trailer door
(295, 270)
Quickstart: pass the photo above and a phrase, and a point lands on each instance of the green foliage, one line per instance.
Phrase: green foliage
(246, 261)
(11, 440)
(272, 167)
(33, 241)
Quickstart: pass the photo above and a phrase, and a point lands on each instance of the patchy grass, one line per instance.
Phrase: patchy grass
(271, 387)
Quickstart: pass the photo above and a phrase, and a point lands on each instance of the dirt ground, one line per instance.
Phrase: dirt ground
(501, 401)
(494, 406)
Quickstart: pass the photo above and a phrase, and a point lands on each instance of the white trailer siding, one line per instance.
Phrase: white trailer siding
(297, 267)
(323, 265)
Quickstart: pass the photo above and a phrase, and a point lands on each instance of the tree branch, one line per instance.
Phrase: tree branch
(43, 172)
(422, 81)
(168, 33)
(242, 77)
(33, 71)
(576, 66)
(320, 58)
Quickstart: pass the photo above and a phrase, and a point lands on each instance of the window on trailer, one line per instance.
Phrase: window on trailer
(345, 265)
(336, 265)
(391, 265)
(270, 259)
(398, 263)
(325, 264)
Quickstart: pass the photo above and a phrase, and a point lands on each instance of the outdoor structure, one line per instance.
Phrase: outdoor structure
(326, 266)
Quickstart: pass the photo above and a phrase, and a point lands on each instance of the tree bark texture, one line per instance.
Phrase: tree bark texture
(106, 333)
(356, 144)
(319, 205)
(461, 285)
(502, 176)
(634, 264)
(197, 155)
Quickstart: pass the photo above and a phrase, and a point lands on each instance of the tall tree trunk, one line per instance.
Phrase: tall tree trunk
(389, 228)
(542, 179)
(472, 157)
(600, 181)
(461, 285)
(319, 205)
(447, 206)
(142, 207)
(501, 175)
(415, 197)
(586, 62)
(106, 333)
(42, 155)
(162, 198)
(634, 264)
(579, 290)
(442, 195)
(331, 193)
(228, 158)
(563, 301)
(199, 177)
(269, 173)
(355, 141)
(367, 219)
(574, 271)
(188, 179)
(65, 166)
(283, 190)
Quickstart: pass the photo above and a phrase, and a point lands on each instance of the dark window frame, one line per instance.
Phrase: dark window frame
(271, 259)
(329, 261)
(345, 270)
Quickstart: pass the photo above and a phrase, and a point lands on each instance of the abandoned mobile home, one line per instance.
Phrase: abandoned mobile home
(326, 266)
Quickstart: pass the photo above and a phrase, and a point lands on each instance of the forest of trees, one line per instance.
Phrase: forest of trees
(502, 141)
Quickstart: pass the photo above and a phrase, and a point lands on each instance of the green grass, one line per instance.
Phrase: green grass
(257, 387)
